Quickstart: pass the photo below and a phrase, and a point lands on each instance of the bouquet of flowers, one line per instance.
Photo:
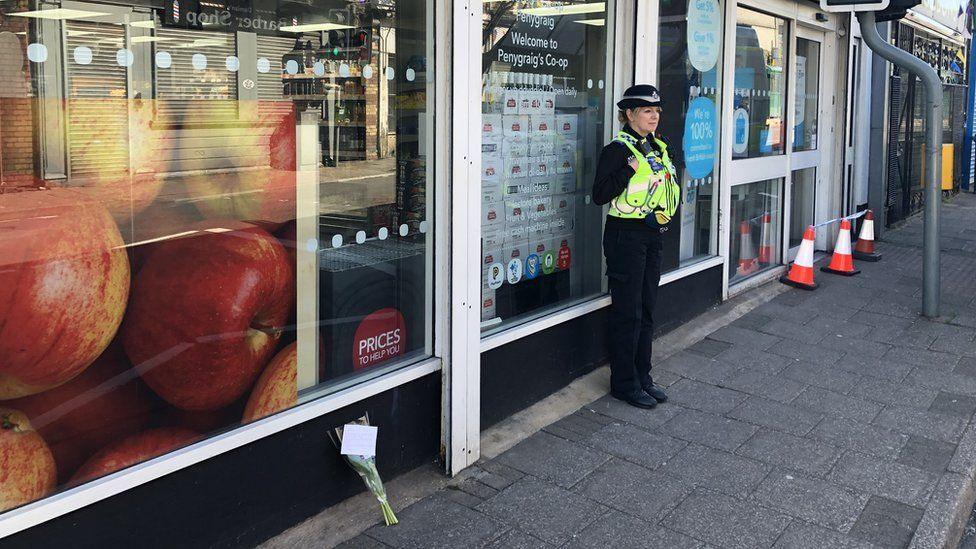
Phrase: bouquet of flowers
(366, 467)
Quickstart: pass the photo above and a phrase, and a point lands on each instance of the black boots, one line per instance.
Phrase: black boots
(639, 399)
(656, 391)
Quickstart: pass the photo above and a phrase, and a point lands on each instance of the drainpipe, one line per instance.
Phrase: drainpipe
(931, 268)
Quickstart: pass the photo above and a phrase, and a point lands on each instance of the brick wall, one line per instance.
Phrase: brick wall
(16, 101)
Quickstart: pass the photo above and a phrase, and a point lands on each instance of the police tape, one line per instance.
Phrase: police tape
(835, 220)
(758, 219)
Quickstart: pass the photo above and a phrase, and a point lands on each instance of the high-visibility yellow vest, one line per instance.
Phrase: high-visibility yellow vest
(652, 188)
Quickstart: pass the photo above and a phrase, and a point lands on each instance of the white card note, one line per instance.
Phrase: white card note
(358, 440)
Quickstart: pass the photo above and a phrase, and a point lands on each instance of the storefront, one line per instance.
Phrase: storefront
(234, 227)
(937, 33)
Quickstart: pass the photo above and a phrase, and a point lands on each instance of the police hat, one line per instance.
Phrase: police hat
(641, 95)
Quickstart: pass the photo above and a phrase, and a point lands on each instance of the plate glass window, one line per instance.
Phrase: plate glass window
(759, 115)
(754, 242)
(689, 57)
(807, 94)
(544, 122)
(208, 217)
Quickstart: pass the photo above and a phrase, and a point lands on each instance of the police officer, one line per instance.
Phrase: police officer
(636, 177)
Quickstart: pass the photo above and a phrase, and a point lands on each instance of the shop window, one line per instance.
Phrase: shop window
(690, 53)
(544, 120)
(807, 94)
(230, 215)
(759, 116)
(757, 228)
(803, 188)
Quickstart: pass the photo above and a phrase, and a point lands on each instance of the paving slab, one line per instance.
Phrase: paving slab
(744, 337)
(627, 442)
(554, 459)
(542, 510)
(894, 394)
(922, 423)
(801, 535)
(717, 470)
(836, 405)
(644, 419)
(776, 415)
(878, 368)
(698, 367)
(619, 530)
(887, 523)
(517, 539)
(861, 437)
(924, 453)
(809, 353)
(891, 480)
(754, 360)
(726, 522)
(819, 375)
(812, 500)
(709, 429)
(954, 405)
(456, 526)
(761, 384)
(704, 396)
(785, 450)
(634, 490)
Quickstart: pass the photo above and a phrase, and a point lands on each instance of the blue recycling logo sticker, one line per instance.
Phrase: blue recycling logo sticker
(532, 267)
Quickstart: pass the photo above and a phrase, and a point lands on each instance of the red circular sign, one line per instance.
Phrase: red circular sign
(562, 260)
(380, 336)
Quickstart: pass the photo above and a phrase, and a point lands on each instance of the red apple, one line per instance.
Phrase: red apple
(106, 402)
(206, 314)
(27, 470)
(125, 190)
(64, 282)
(124, 194)
(277, 388)
(132, 450)
(265, 196)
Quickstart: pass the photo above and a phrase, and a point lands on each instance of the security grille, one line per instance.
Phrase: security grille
(197, 85)
(98, 122)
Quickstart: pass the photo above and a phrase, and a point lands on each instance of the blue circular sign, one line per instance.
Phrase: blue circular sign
(699, 139)
(532, 267)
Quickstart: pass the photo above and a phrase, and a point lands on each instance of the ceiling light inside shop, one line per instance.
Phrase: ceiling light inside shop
(593, 22)
(149, 24)
(313, 27)
(59, 13)
(566, 9)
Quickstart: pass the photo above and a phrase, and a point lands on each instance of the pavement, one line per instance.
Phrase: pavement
(832, 418)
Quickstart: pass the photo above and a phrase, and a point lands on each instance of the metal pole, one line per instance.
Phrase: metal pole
(931, 268)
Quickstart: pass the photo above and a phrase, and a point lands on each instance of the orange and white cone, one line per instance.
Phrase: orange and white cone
(747, 254)
(801, 272)
(864, 247)
(765, 244)
(842, 262)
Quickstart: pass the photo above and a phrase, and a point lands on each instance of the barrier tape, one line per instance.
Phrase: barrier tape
(758, 219)
(848, 218)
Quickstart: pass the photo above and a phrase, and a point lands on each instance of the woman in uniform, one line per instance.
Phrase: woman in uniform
(636, 177)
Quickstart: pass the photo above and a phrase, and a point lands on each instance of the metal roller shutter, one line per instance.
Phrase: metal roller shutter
(98, 124)
(186, 93)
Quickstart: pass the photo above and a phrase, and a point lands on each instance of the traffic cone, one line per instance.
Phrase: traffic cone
(864, 247)
(747, 255)
(765, 244)
(842, 262)
(801, 272)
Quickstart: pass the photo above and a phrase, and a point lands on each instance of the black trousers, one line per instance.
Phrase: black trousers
(634, 271)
